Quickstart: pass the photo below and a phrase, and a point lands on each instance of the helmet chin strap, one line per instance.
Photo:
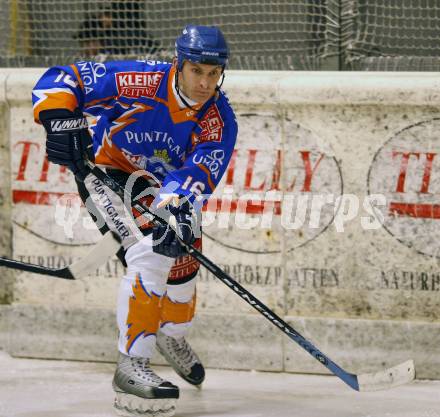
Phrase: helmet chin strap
(176, 83)
(217, 87)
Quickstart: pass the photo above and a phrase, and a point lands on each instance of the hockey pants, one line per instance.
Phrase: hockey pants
(157, 293)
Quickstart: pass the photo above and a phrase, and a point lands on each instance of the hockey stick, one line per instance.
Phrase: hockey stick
(398, 375)
(105, 248)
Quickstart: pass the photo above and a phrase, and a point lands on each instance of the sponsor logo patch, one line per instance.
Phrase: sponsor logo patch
(162, 154)
(212, 161)
(90, 72)
(138, 84)
(212, 126)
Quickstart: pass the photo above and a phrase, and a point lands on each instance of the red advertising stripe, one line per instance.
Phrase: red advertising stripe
(45, 198)
(415, 210)
(42, 198)
(218, 205)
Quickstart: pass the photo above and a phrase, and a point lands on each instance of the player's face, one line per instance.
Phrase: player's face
(198, 81)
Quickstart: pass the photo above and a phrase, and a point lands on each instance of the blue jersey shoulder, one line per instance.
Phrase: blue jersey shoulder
(225, 106)
(139, 65)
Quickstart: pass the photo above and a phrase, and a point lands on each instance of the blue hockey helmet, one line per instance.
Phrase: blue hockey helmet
(202, 44)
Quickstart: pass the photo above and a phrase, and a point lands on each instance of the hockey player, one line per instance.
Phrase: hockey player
(173, 122)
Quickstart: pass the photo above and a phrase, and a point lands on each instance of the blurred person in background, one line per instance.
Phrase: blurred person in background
(117, 29)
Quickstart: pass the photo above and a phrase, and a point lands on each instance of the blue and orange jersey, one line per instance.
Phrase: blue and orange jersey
(140, 124)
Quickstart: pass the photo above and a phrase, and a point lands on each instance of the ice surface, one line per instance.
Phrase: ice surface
(46, 388)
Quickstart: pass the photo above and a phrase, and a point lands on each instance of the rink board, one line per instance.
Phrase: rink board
(364, 288)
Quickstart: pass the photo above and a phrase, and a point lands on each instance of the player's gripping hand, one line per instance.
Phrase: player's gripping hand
(68, 140)
(180, 214)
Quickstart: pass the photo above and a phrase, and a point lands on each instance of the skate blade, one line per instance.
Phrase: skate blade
(128, 405)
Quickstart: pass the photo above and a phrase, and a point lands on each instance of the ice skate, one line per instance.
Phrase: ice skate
(181, 357)
(140, 392)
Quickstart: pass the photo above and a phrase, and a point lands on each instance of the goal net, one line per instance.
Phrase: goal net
(264, 35)
(390, 35)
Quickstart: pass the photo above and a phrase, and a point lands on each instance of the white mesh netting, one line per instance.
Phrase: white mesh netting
(390, 34)
(262, 35)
